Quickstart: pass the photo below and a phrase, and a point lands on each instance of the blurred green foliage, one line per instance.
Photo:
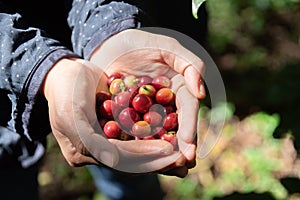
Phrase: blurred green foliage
(246, 159)
(255, 43)
(244, 29)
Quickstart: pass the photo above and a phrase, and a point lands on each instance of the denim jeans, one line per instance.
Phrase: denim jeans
(117, 186)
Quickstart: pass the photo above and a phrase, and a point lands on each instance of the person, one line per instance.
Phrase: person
(40, 67)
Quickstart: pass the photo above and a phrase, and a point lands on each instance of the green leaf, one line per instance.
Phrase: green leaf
(195, 6)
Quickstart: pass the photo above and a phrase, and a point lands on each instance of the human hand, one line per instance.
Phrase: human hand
(138, 52)
(70, 89)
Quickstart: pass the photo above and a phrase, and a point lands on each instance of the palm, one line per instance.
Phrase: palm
(140, 53)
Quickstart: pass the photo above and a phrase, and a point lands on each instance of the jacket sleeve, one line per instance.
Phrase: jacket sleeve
(26, 55)
(93, 21)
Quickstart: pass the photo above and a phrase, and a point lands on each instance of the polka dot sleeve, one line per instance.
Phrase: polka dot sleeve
(26, 55)
(93, 21)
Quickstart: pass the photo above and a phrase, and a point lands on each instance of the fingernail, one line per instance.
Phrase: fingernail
(107, 158)
(202, 90)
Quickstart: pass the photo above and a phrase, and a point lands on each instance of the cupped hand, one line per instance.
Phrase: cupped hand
(70, 89)
(142, 53)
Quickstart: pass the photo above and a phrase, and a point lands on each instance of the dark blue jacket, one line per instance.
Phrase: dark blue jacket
(31, 41)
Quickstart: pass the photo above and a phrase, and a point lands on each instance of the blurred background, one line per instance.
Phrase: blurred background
(256, 45)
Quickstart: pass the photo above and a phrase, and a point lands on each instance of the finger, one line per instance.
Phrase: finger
(163, 49)
(186, 63)
(178, 168)
(180, 162)
(188, 106)
(142, 156)
(84, 117)
(149, 147)
(96, 145)
(144, 163)
(194, 81)
(70, 153)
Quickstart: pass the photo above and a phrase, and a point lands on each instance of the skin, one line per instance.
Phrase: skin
(141, 53)
(71, 85)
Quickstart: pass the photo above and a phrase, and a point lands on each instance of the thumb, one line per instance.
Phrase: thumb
(87, 137)
(90, 80)
(98, 146)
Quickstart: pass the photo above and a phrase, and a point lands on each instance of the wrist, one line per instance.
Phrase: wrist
(59, 70)
(62, 76)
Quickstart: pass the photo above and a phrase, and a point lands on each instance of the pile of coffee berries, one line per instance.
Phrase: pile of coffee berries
(138, 107)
